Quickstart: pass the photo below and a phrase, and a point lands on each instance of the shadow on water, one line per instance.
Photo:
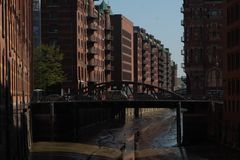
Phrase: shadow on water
(149, 137)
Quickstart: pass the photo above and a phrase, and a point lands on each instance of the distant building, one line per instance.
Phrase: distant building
(180, 84)
(203, 46)
(168, 70)
(152, 62)
(138, 55)
(123, 48)
(15, 77)
(146, 57)
(174, 76)
(230, 128)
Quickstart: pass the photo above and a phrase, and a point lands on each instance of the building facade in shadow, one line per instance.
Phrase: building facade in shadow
(231, 122)
(203, 47)
(15, 77)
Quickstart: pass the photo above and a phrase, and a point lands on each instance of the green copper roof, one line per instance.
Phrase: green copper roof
(104, 6)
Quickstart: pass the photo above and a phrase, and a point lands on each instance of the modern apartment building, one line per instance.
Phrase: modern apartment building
(15, 76)
(230, 130)
(82, 30)
(123, 48)
(203, 41)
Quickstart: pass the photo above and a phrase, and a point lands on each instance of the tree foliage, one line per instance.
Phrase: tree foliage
(47, 66)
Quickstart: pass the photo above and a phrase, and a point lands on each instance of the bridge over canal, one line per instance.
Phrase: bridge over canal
(67, 120)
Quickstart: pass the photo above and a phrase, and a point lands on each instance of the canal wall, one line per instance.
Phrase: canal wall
(51, 122)
(201, 122)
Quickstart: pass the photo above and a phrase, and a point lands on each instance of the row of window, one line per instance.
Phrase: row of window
(126, 34)
(232, 106)
(82, 74)
(198, 13)
(233, 13)
(233, 38)
(96, 76)
(233, 62)
(233, 87)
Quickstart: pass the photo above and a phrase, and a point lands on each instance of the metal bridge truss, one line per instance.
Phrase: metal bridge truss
(132, 90)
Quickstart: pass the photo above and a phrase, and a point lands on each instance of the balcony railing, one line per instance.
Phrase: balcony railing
(91, 64)
(183, 65)
(109, 58)
(109, 28)
(92, 27)
(182, 9)
(109, 48)
(91, 17)
(109, 37)
(182, 39)
(92, 39)
(182, 22)
(92, 51)
(182, 52)
(109, 68)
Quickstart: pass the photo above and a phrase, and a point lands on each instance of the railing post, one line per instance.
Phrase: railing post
(136, 112)
(52, 114)
(179, 124)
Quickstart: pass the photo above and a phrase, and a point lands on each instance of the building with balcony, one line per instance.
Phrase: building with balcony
(123, 48)
(82, 30)
(15, 77)
(230, 127)
(146, 57)
(64, 25)
(203, 47)
(96, 41)
(138, 56)
(152, 62)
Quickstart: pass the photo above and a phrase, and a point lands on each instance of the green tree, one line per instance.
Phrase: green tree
(47, 66)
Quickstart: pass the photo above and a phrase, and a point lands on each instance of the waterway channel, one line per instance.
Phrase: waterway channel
(150, 137)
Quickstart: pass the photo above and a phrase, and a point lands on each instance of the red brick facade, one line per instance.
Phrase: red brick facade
(152, 62)
(231, 121)
(203, 41)
(123, 48)
(15, 76)
(85, 42)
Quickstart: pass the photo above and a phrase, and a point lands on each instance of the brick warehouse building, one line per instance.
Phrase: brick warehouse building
(203, 41)
(82, 30)
(231, 121)
(122, 48)
(152, 62)
(15, 76)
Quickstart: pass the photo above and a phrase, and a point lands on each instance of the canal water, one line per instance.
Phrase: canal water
(150, 137)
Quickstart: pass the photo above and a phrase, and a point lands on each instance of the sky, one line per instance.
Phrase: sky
(161, 18)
